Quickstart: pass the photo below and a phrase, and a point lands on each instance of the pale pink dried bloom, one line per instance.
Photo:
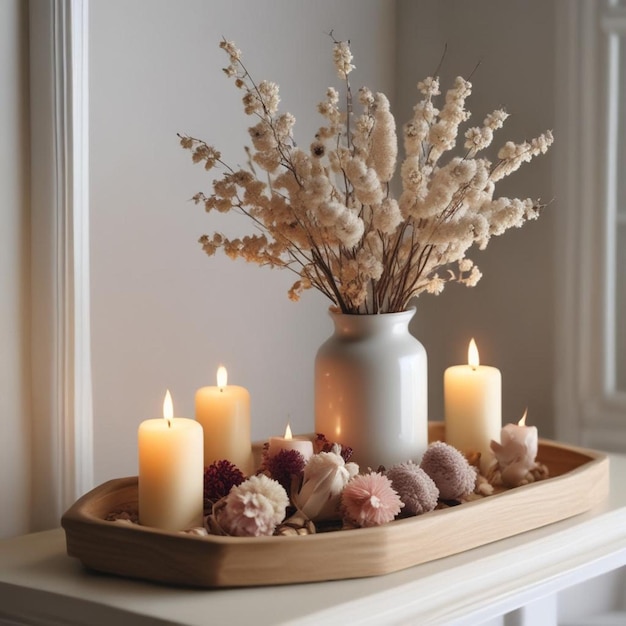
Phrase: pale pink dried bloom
(370, 500)
(254, 508)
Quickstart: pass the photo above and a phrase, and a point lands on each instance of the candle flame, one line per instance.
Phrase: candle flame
(168, 408)
(288, 434)
(222, 377)
(522, 422)
(472, 355)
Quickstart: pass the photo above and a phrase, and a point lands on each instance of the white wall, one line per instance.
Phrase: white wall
(14, 271)
(511, 311)
(163, 314)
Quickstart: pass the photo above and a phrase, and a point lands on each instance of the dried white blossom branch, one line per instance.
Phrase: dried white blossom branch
(327, 213)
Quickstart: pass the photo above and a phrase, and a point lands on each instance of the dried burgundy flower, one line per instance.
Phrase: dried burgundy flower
(219, 478)
(283, 465)
(322, 444)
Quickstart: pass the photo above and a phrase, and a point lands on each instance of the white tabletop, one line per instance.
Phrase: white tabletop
(40, 584)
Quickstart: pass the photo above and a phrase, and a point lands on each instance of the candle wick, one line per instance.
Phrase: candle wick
(169, 423)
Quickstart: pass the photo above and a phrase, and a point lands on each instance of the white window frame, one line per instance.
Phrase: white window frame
(62, 453)
(588, 409)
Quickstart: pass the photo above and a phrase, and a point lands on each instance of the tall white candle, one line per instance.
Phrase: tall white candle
(473, 406)
(224, 412)
(171, 473)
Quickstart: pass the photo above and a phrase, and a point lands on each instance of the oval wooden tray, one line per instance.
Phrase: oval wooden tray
(579, 481)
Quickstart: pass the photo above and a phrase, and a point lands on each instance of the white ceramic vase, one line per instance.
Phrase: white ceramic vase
(371, 388)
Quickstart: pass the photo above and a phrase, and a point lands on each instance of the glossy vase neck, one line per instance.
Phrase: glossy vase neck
(358, 326)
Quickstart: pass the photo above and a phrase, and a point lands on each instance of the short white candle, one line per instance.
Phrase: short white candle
(516, 452)
(289, 442)
(171, 472)
(473, 406)
(224, 412)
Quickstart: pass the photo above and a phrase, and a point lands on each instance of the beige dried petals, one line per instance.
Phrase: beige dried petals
(384, 144)
(328, 213)
(342, 56)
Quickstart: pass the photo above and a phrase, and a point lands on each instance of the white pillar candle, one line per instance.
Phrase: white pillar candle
(224, 412)
(473, 406)
(171, 473)
(516, 452)
(289, 442)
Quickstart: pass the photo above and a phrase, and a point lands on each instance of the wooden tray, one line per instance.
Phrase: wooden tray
(579, 481)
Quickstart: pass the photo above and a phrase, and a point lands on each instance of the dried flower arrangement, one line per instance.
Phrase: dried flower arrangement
(328, 214)
(292, 496)
(289, 495)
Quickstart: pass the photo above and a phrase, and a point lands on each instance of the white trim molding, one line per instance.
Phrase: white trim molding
(589, 410)
(62, 404)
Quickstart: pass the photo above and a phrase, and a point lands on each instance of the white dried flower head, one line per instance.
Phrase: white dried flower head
(429, 87)
(473, 278)
(268, 92)
(254, 508)
(262, 136)
(374, 243)
(328, 212)
(350, 229)
(251, 104)
(435, 285)
(325, 476)
(342, 57)
(363, 126)
(384, 143)
(465, 265)
(365, 181)
(386, 217)
(231, 49)
(478, 138)
(268, 161)
(284, 125)
(368, 266)
(495, 119)
(366, 98)
(332, 95)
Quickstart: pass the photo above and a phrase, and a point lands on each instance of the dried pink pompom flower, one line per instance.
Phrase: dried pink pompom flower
(449, 469)
(370, 500)
(415, 487)
(253, 508)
